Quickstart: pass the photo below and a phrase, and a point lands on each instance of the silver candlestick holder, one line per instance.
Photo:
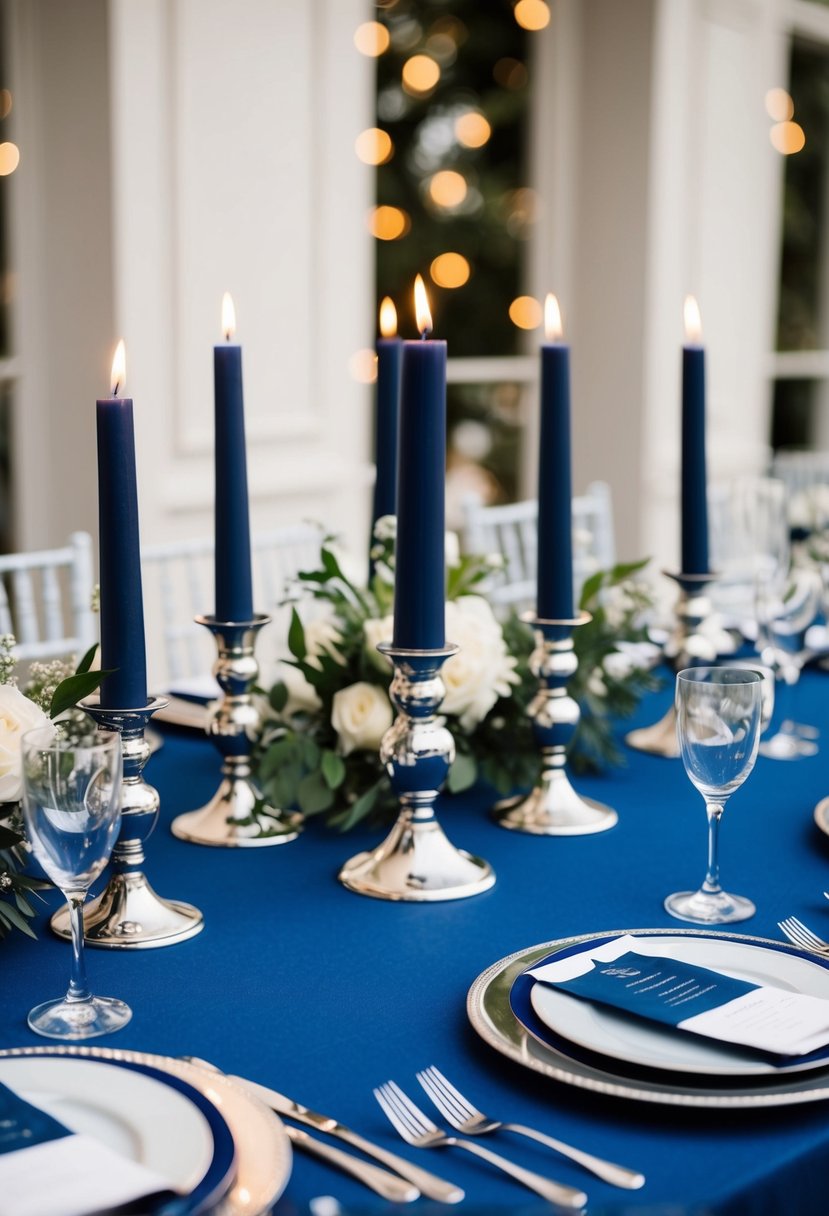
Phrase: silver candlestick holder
(416, 861)
(236, 816)
(554, 808)
(693, 607)
(129, 914)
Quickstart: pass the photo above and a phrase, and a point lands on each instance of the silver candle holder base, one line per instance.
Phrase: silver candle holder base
(693, 607)
(236, 816)
(554, 808)
(129, 914)
(416, 861)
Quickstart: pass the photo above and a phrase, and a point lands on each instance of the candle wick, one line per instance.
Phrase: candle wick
(424, 334)
(115, 388)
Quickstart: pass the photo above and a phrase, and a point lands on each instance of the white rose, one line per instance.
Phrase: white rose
(360, 714)
(618, 666)
(482, 670)
(376, 630)
(302, 696)
(17, 715)
(322, 637)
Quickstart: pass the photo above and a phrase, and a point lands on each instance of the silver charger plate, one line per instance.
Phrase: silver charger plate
(489, 1012)
(263, 1150)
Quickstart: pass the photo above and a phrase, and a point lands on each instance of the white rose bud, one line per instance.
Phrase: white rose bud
(17, 715)
(360, 714)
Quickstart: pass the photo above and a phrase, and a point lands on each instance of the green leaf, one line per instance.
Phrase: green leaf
(462, 774)
(624, 570)
(333, 769)
(13, 917)
(278, 697)
(591, 588)
(86, 661)
(296, 637)
(73, 689)
(313, 795)
(359, 809)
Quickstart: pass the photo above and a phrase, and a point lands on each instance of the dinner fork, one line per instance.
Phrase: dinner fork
(464, 1117)
(418, 1130)
(800, 935)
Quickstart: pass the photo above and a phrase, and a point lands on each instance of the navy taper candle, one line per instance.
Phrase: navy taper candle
(554, 583)
(694, 504)
(386, 414)
(420, 561)
(234, 587)
(123, 648)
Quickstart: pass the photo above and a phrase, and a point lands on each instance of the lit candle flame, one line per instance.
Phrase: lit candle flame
(552, 319)
(424, 316)
(228, 316)
(388, 318)
(693, 321)
(119, 368)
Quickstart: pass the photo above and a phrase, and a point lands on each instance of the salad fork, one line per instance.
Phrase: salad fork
(413, 1126)
(464, 1117)
(800, 935)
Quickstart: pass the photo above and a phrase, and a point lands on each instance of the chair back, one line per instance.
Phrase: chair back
(511, 530)
(46, 600)
(178, 586)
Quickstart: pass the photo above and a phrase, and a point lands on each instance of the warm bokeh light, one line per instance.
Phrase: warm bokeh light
(388, 317)
(422, 310)
(420, 74)
(5, 103)
(362, 366)
(786, 137)
(228, 316)
(532, 14)
(525, 312)
(447, 188)
(9, 158)
(374, 147)
(371, 38)
(450, 270)
(779, 105)
(693, 320)
(443, 48)
(472, 129)
(553, 329)
(510, 73)
(119, 368)
(388, 223)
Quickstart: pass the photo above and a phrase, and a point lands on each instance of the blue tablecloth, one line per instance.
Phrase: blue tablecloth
(322, 993)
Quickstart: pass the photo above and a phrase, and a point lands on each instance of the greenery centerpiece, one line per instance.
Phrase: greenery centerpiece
(328, 706)
(51, 691)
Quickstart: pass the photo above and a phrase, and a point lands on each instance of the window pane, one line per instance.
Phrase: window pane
(452, 98)
(796, 412)
(802, 316)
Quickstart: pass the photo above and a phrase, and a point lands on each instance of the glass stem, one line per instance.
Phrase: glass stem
(714, 812)
(78, 987)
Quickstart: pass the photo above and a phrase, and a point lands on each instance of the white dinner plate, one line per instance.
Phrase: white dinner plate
(822, 815)
(133, 1114)
(263, 1150)
(611, 1033)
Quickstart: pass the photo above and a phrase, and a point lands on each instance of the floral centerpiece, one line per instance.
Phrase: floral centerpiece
(51, 691)
(329, 707)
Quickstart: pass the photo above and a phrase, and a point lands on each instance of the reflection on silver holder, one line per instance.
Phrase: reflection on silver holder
(554, 808)
(692, 609)
(129, 915)
(416, 861)
(234, 817)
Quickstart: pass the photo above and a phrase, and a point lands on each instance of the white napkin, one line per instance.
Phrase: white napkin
(61, 1175)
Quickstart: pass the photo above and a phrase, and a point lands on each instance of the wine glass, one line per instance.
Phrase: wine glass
(787, 607)
(718, 726)
(71, 811)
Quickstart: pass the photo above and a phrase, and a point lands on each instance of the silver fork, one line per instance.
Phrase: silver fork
(464, 1117)
(418, 1130)
(800, 935)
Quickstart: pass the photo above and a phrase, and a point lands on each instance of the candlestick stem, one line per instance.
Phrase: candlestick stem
(683, 649)
(416, 861)
(129, 914)
(236, 816)
(554, 808)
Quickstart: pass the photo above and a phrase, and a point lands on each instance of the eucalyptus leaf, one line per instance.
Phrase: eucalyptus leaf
(296, 637)
(278, 697)
(11, 916)
(333, 769)
(462, 774)
(313, 795)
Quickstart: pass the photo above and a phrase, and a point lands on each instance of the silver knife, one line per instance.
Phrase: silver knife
(390, 1186)
(428, 1184)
